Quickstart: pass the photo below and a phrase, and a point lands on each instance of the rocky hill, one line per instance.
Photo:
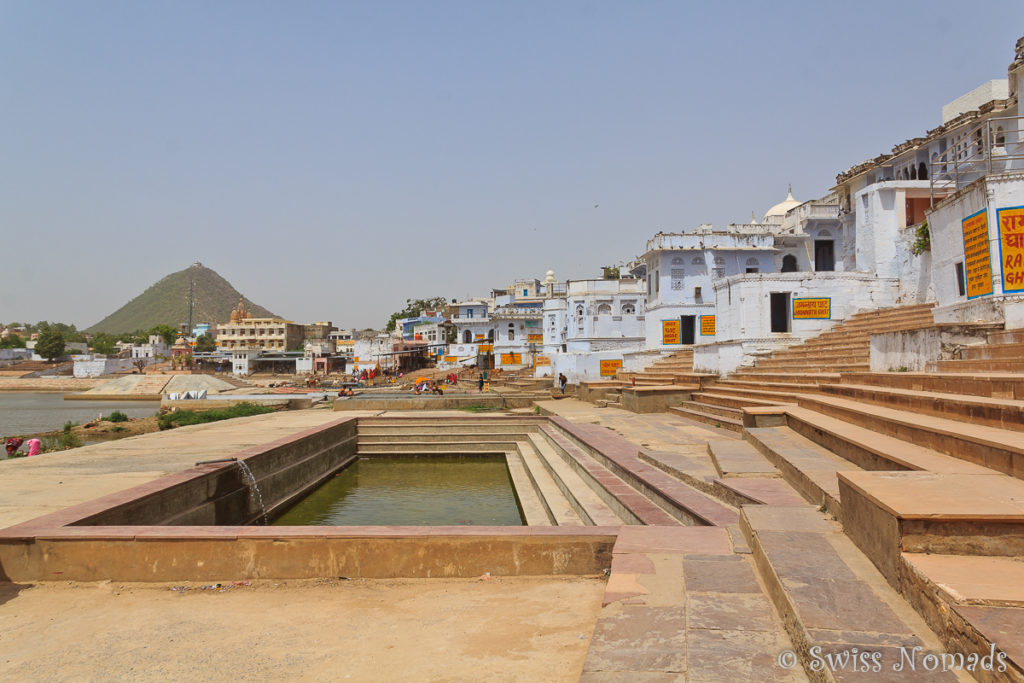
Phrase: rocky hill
(166, 302)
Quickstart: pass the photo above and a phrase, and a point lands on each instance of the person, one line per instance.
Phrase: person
(12, 445)
(34, 446)
(480, 383)
(562, 381)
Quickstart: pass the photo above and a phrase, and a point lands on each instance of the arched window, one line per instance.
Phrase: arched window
(628, 309)
(753, 266)
(1000, 137)
(604, 309)
(511, 331)
(579, 310)
(677, 261)
(913, 172)
(922, 171)
(824, 235)
(490, 335)
(697, 261)
(789, 263)
(752, 261)
(467, 337)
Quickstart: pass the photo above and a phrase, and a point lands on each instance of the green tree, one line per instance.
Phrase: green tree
(13, 341)
(205, 344)
(50, 345)
(167, 332)
(104, 343)
(415, 307)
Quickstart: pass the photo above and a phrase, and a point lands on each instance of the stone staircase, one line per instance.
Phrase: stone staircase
(676, 368)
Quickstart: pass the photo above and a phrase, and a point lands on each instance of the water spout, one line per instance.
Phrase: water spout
(252, 485)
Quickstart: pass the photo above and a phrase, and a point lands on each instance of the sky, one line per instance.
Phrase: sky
(333, 159)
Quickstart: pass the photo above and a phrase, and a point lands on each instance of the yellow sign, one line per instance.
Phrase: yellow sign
(543, 360)
(450, 359)
(485, 348)
(478, 337)
(978, 260)
(610, 367)
(511, 359)
(535, 337)
(356, 359)
(812, 309)
(1011, 247)
(671, 332)
(707, 326)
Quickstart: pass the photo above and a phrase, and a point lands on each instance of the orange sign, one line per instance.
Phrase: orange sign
(535, 337)
(610, 367)
(671, 332)
(543, 360)
(707, 326)
(478, 336)
(1011, 247)
(812, 309)
(485, 348)
(977, 258)
(511, 359)
(450, 359)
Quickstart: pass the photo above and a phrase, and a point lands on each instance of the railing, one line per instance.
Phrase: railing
(992, 146)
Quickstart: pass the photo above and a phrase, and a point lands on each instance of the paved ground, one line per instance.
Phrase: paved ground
(681, 601)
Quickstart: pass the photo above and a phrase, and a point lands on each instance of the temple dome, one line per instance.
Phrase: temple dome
(780, 209)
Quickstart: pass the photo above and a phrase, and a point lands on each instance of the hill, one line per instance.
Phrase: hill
(166, 303)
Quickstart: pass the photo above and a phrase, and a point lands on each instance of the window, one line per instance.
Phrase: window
(677, 278)
(579, 310)
(789, 263)
(677, 261)
(526, 292)
(657, 282)
(697, 261)
(961, 288)
(628, 309)
(490, 335)
(467, 337)
(604, 309)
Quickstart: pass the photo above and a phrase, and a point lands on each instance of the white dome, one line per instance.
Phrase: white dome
(549, 277)
(782, 207)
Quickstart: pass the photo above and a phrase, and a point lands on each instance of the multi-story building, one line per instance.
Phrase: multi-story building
(266, 334)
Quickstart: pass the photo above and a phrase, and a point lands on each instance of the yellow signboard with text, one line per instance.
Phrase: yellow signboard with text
(538, 338)
(671, 332)
(977, 258)
(450, 359)
(707, 326)
(478, 337)
(485, 348)
(1011, 247)
(610, 367)
(812, 309)
(543, 360)
(511, 359)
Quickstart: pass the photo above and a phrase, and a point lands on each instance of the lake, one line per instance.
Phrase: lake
(25, 412)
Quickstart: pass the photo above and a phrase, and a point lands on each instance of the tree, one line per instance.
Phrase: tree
(415, 307)
(167, 332)
(104, 343)
(205, 344)
(13, 341)
(50, 345)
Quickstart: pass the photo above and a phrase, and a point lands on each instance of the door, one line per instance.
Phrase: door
(689, 328)
(824, 255)
(780, 311)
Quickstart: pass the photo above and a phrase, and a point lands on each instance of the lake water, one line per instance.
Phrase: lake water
(25, 412)
(416, 491)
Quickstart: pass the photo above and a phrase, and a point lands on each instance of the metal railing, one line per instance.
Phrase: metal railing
(992, 146)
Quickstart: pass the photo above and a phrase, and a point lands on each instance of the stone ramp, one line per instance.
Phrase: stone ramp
(131, 385)
(830, 596)
(212, 384)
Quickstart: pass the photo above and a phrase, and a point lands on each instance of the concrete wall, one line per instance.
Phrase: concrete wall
(912, 350)
(96, 367)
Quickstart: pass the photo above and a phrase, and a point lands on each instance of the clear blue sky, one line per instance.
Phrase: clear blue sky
(331, 159)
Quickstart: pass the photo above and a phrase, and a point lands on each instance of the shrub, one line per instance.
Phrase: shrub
(181, 418)
(116, 416)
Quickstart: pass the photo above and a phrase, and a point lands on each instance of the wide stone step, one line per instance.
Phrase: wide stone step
(586, 502)
(767, 386)
(730, 401)
(1014, 351)
(436, 436)
(981, 599)
(559, 509)
(712, 409)
(994, 412)
(994, 385)
(998, 449)
(628, 503)
(760, 491)
(428, 448)
(807, 466)
(1014, 336)
(868, 449)
(717, 421)
(830, 597)
(733, 458)
(1002, 365)
(786, 377)
(818, 367)
(774, 396)
(437, 428)
(621, 457)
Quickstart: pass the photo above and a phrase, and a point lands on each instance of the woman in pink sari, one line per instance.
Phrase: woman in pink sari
(34, 446)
